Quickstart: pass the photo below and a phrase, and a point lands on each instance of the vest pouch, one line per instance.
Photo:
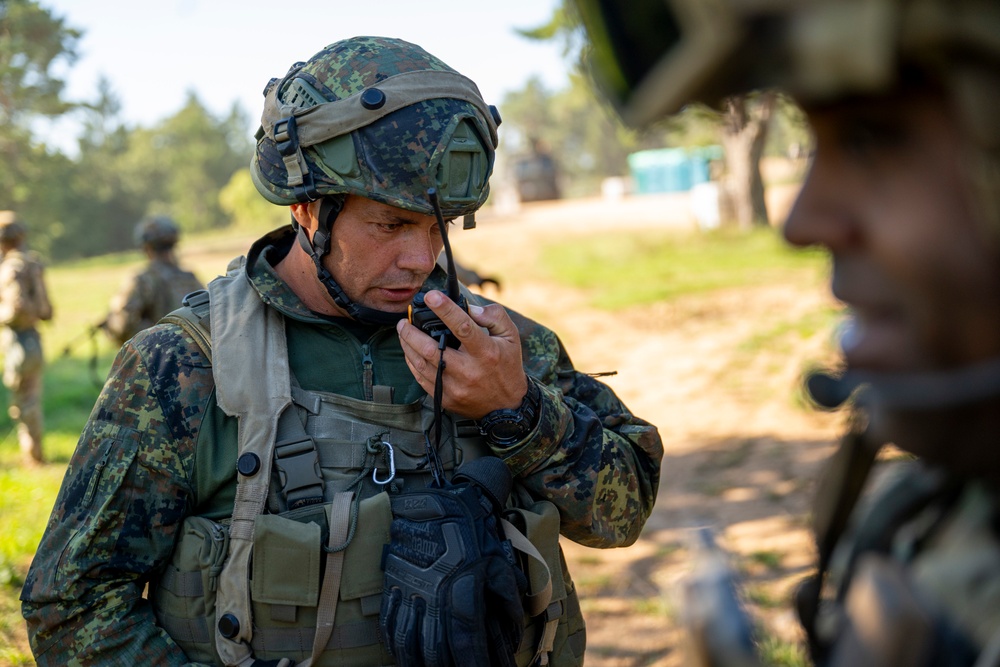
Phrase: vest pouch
(286, 561)
(539, 522)
(184, 597)
(285, 603)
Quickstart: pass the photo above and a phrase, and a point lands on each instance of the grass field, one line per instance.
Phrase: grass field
(613, 271)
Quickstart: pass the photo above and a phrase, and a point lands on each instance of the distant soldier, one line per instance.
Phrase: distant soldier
(23, 302)
(157, 289)
(473, 278)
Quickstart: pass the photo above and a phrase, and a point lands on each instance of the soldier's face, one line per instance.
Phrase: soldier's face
(381, 255)
(888, 195)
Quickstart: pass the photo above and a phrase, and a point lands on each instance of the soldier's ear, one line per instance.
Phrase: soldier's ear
(305, 215)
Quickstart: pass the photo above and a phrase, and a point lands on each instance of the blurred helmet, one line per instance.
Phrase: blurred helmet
(654, 56)
(11, 227)
(159, 231)
(380, 118)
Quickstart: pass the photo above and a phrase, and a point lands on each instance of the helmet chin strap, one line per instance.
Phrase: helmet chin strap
(319, 246)
(929, 390)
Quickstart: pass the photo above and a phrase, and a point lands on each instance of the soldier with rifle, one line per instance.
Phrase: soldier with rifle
(904, 193)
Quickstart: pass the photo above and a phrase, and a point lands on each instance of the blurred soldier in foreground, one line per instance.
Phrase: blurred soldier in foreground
(904, 193)
(157, 289)
(23, 302)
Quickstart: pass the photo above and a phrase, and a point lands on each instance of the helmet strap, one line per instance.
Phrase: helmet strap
(319, 246)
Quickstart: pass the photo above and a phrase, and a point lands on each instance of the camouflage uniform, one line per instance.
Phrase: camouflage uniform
(23, 303)
(913, 577)
(157, 289)
(157, 449)
(161, 443)
(148, 296)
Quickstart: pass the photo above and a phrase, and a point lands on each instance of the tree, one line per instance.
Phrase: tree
(33, 42)
(742, 125)
(107, 203)
(185, 160)
(246, 209)
(745, 122)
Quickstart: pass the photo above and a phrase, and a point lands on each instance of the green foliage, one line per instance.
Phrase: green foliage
(244, 206)
(775, 652)
(89, 204)
(621, 270)
(32, 42)
(195, 154)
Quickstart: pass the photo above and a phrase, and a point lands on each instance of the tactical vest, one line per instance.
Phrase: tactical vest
(294, 574)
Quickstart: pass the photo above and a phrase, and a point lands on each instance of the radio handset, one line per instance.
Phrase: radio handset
(419, 314)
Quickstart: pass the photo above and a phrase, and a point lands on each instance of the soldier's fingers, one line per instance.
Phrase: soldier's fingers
(455, 318)
(494, 319)
(416, 343)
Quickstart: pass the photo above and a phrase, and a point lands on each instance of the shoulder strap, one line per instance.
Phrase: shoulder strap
(194, 318)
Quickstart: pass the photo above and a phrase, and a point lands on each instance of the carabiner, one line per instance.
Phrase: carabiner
(392, 466)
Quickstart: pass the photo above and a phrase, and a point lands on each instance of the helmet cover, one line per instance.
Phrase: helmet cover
(380, 118)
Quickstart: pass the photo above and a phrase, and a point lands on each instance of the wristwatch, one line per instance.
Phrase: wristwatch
(505, 427)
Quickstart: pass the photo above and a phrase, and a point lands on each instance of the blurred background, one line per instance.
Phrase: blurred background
(652, 254)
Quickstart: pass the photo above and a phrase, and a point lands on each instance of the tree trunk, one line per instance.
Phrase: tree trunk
(744, 134)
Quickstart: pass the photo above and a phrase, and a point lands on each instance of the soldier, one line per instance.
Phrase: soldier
(157, 289)
(24, 301)
(302, 475)
(904, 193)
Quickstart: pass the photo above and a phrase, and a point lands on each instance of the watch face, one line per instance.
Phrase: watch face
(508, 430)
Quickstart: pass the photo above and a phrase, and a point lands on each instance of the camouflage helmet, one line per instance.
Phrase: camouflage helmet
(654, 56)
(11, 227)
(157, 231)
(380, 118)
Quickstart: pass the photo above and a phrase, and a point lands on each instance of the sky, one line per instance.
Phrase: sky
(226, 50)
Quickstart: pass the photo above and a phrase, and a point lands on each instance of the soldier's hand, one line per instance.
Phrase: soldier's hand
(484, 373)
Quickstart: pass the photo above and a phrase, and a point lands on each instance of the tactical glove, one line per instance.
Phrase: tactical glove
(452, 594)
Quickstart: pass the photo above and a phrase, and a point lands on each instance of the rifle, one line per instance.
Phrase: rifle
(718, 629)
(90, 333)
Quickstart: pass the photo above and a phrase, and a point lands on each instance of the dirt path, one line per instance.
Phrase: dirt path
(741, 453)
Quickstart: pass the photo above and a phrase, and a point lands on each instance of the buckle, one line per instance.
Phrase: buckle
(286, 136)
(298, 470)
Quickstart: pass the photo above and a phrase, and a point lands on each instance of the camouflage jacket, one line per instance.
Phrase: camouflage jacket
(147, 296)
(24, 299)
(132, 481)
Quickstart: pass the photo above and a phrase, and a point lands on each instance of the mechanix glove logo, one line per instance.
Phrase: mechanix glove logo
(452, 593)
